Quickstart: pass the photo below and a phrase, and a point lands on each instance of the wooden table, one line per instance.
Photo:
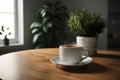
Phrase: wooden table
(35, 65)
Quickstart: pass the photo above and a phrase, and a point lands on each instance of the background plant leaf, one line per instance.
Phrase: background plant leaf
(36, 36)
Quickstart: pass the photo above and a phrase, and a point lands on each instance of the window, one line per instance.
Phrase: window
(11, 15)
(7, 16)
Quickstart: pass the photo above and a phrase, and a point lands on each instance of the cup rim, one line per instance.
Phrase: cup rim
(70, 46)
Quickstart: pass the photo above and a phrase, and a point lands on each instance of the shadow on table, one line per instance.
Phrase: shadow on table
(108, 56)
(90, 68)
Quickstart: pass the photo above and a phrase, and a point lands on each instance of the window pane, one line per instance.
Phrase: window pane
(7, 17)
(7, 6)
(7, 20)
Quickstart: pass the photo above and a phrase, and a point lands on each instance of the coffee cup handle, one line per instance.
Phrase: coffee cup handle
(85, 52)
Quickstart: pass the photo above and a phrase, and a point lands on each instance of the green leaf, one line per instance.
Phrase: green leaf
(0, 33)
(46, 6)
(44, 29)
(35, 24)
(43, 12)
(49, 25)
(45, 20)
(9, 33)
(36, 36)
(34, 31)
(2, 28)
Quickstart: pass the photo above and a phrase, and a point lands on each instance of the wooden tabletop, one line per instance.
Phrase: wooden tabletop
(35, 65)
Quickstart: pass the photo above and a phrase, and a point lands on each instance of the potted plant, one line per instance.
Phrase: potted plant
(49, 29)
(86, 27)
(5, 33)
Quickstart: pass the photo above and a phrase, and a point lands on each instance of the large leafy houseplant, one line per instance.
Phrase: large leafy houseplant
(50, 26)
(86, 26)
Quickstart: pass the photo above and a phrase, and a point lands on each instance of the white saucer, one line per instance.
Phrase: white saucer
(85, 61)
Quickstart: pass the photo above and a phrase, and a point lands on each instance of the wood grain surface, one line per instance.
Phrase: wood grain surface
(35, 65)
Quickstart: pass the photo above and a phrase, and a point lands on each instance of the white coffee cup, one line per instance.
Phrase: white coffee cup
(71, 54)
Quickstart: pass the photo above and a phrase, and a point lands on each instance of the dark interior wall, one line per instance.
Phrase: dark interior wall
(114, 25)
(114, 5)
(100, 6)
(31, 6)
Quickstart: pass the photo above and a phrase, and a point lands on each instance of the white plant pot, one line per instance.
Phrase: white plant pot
(88, 43)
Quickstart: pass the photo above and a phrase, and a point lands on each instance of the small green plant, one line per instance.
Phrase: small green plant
(5, 32)
(50, 26)
(82, 23)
